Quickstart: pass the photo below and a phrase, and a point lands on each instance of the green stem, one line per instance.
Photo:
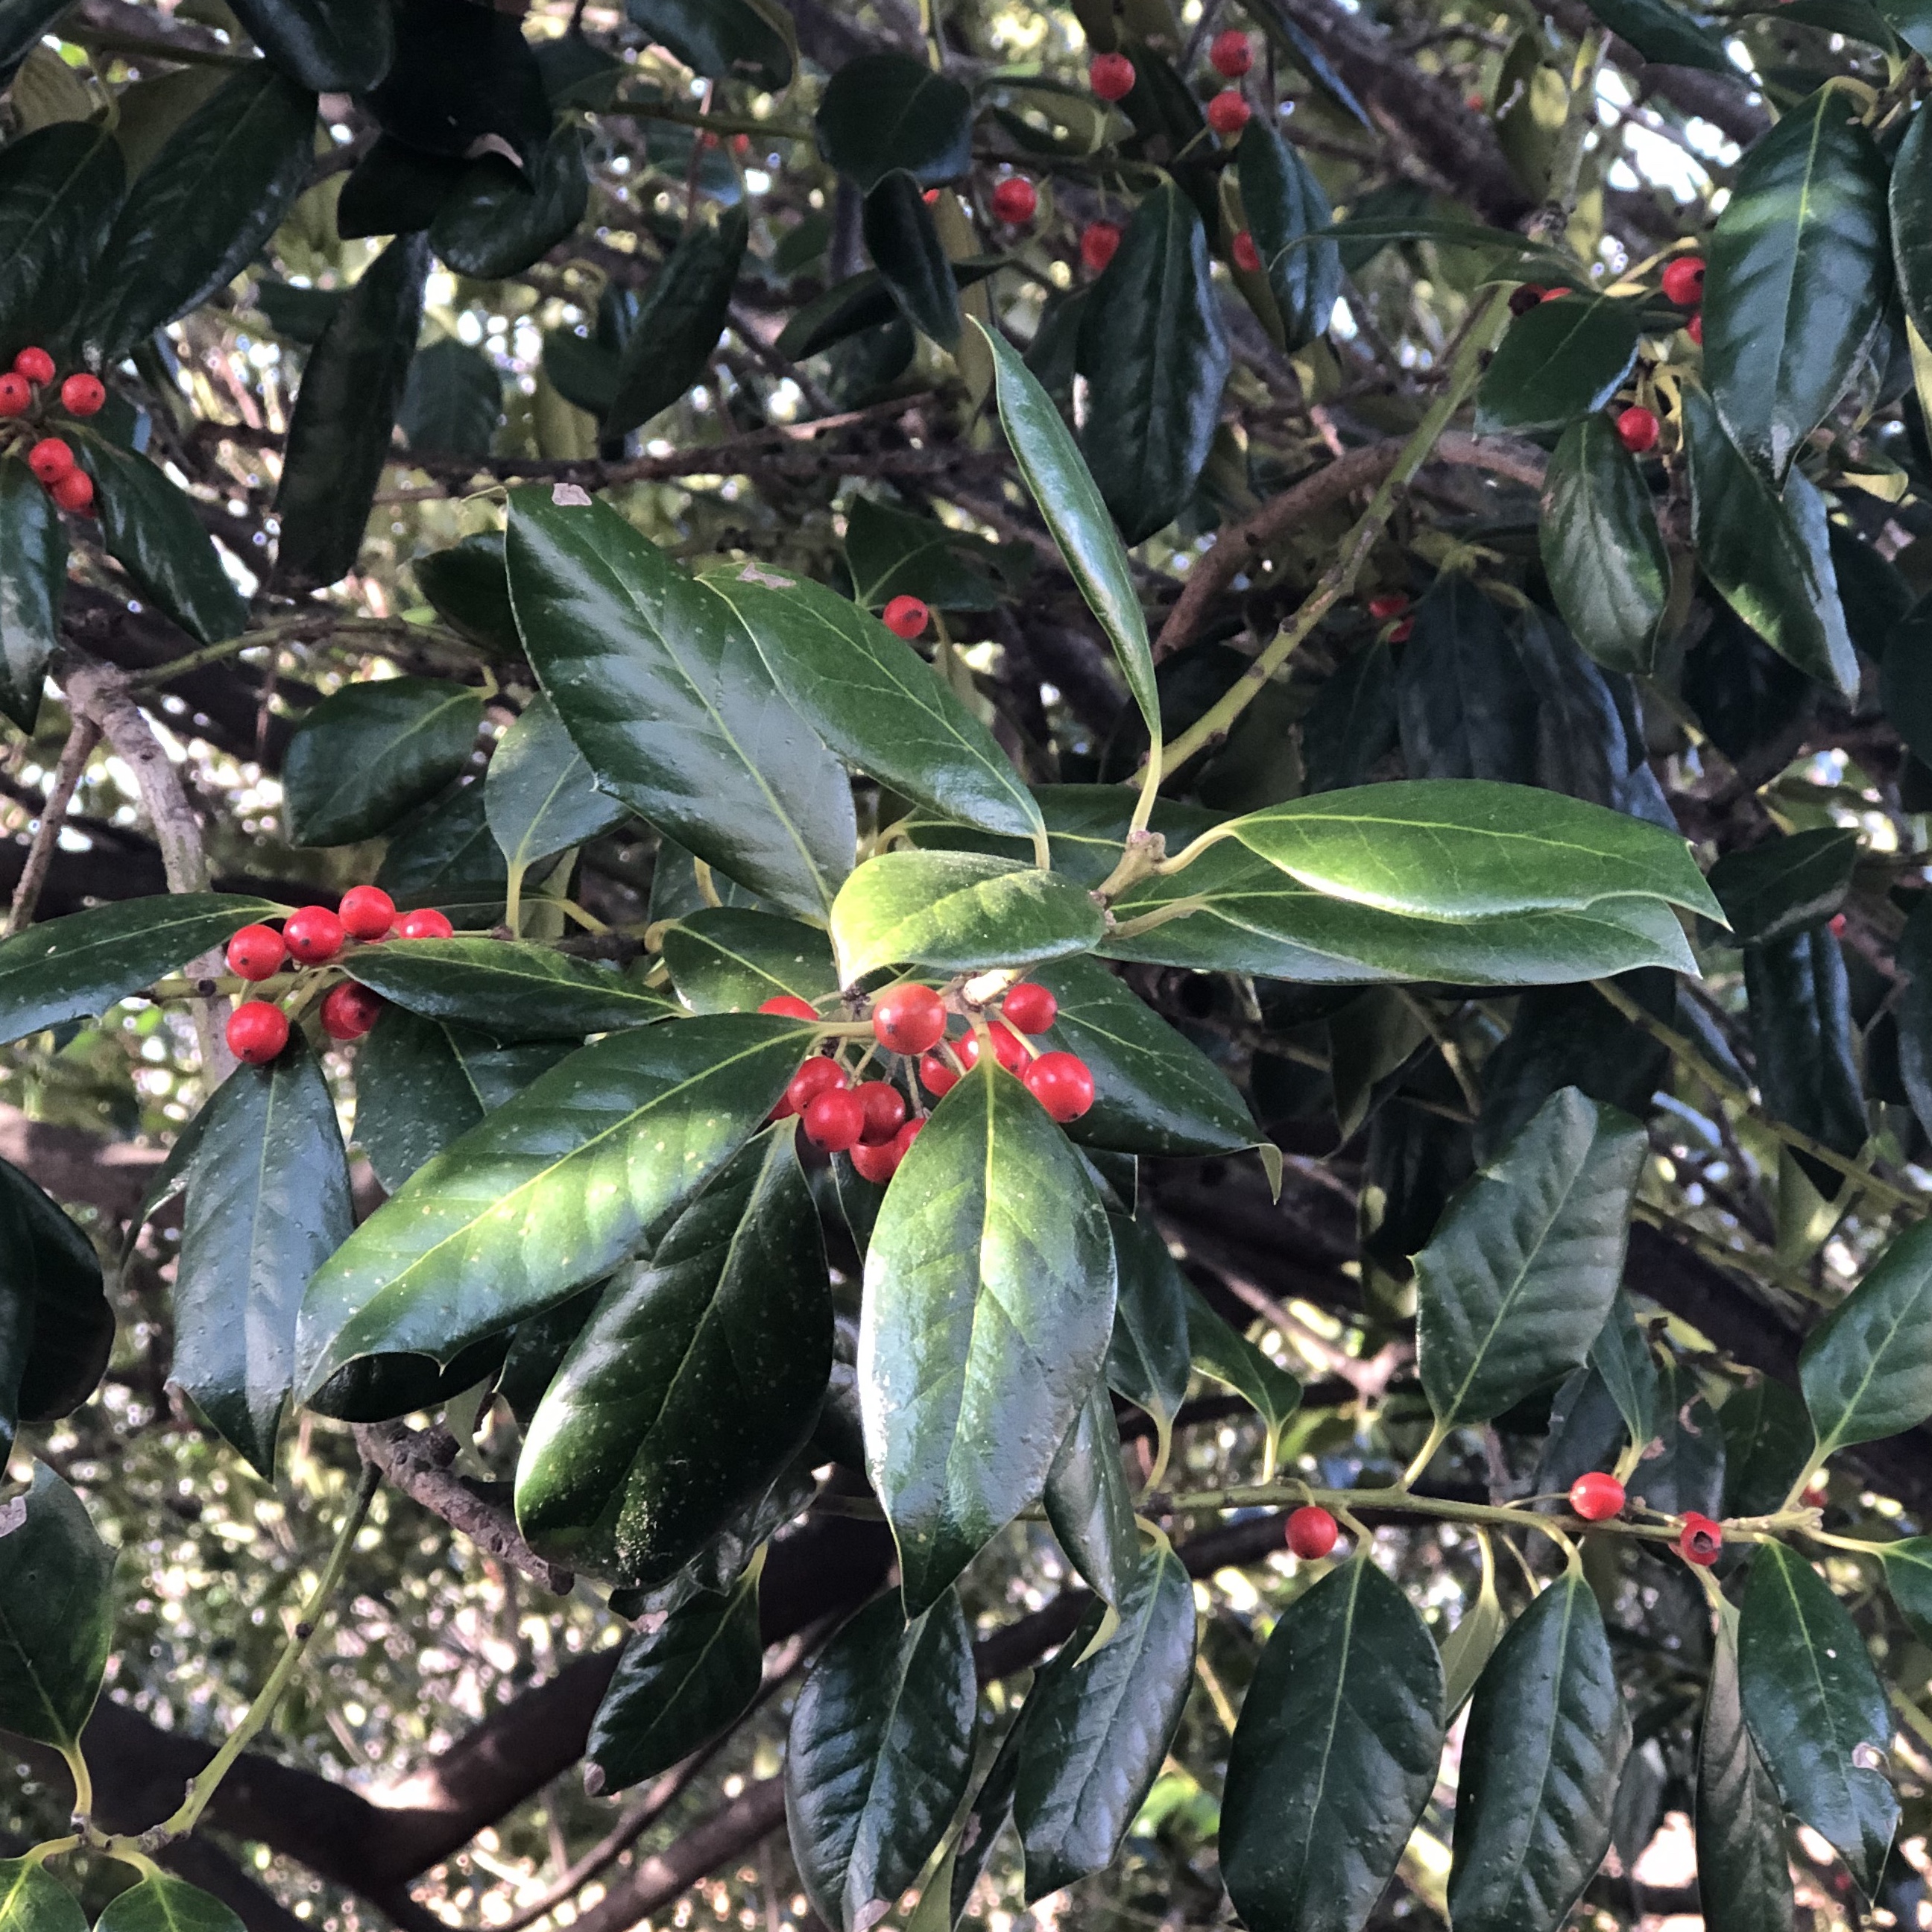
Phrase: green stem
(715, 124)
(1438, 1434)
(83, 1779)
(53, 1848)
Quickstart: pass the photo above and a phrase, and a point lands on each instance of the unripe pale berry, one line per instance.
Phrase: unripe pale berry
(82, 394)
(314, 935)
(1231, 53)
(1029, 1006)
(905, 617)
(257, 1031)
(50, 459)
(818, 1075)
(256, 952)
(1063, 1084)
(1636, 429)
(1099, 242)
(1228, 112)
(425, 922)
(1311, 1532)
(1009, 1049)
(909, 1019)
(885, 1110)
(1015, 199)
(366, 913)
(788, 1007)
(16, 396)
(1247, 257)
(1596, 1495)
(1700, 1541)
(834, 1120)
(1387, 604)
(1684, 280)
(73, 492)
(936, 1076)
(350, 1010)
(35, 365)
(1110, 76)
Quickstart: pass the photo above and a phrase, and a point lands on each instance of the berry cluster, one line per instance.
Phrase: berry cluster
(258, 1030)
(51, 458)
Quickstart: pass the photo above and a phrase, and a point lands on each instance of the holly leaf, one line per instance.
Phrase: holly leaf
(1604, 554)
(1566, 358)
(678, 327)
(1285, 203)
(886, 111)
(1088, 1502)
(1744, 1866)
(56, 1328)
(1772, 891)
(1149, 1359)
(538, 794)
(506, 988)
(728, 959)
(367, 757)
(56, 1613)
(160, 1903)
(33, 566)
(32, 1899)
(1866, 1370)
(331, 47)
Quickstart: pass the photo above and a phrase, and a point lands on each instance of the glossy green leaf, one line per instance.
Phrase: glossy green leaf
(1910, 207)
(59, 188)
(727, 960)
(1086, 826)
(1908, 1577)
(1744, 1869)
(889, 554)
(370, 754)
(1467, 1649)
(338, 440)
(198, 214)
(1088, 1502)
(1283, 202)
(451, 402)
(446, 857)
(394, 188)
(1563, 359)
(412, 1096)
(1519, 1277)
(470, 590)
(1797, 282)
(1621, 1356)
(876, 702)
(1905, 683)
(1768, 556)
(988, 1303)
(955, 912)
(1683, 1467)
(21, 24)
(904, 243)
(1911, 20)
(1663, 34)
(697, 1380)
(886, 111)
(33, 589)
(151, 530)
(56, 1328)
(724, 39)
(32, 1899)
(538, 795)
(71, 968)
(678, 327)
(1222, 1352)
(1772, 890)
(500, 220)
(1148, 1359)
(505, 988)
(1602, 553)
(56, 1613)
(1867, 1368)
(677, 1687)
(549, 1192)
(1155, 357)
(160, 1903)
(1336, 1753)
(1098, 1727)
(267, 1203)
(1799, 997)
(1464, 707)
(1767, 1438)
(1545, 1746)
(1816, 1709)
(879, 1756)
(665, 693)
(333, 46)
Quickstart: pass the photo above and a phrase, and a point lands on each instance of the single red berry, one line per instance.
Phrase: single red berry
(1684, 280)
(1311, 1532)
(1700, 1540)
(834, 1120)
(1838, 925)
(1694, 328)
(1014, 200)
(1387, 604)
(1523, 299)
(906, 617)
(367, 912)
(256, 952)
(741, 144)
(1110, 76)
(82, 395)
(1247, 256)
(50, 459)
(1029, 1006)
(885, 1110)
(349, 1011)
(1228, 113)
(1231, 53)
(1402, 631)
(1474, 102)
(818, 1075)
(1636, 429)
(425, 922)
(257, 1031)
(902, 1140)
(936, 1076)
(35, 365)
(73, 492)
(789, 1006)
(1063, 1084)
(1557, 295)
(314, 935)
(909, 1019)
(876, 1164)
(1099, 242)
(16, 395)
(1009, 1049)
(1596, 1495)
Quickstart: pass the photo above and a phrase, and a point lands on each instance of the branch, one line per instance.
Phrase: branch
(83, 736)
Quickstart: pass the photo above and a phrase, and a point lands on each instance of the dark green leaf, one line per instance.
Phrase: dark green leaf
(680, 324)
(1563, 359)
(21, 24)
(412, 1096)
(1520, 1275)
(395, 189)
(452, 401)
(160, 1903)
(1620, 1354)
(1219, 1351)
(987, 1818)
(1744, 1870)
(1604, 556)
(887, 111)
(1088, 1502)
(664, 692)
(1908, 1576)
(988, 1303)
(200, 211)
(676, 894)
(1867, 1368)
(333, 46)
(267, 1203)
(677, 1687)
(71, 968)
(511, 990)
(461, 73)
(1767, 1439)
(1816, 1710)
(1799, 276)
(723, 40)
(1155, 357)
(1545, 1746)
(378, 1388)
(369, 755)
(1336, 1753)
(1801, 1030)
(499, 221)
(548, 1193)
(1905, 683)
(697, 1379)
(890, 554)
(33, 566)
(727, 960)
(1772, 891)
(905, 248)
(59, 188)
(56, 1329)
(345, 411)
(846, 309)
(1284, 202)
(1662, 35)
(880, 1754)
(31, 1899)
(1351, 725)
(538, 795)
(955, 912)
(56, 1613)
(1683, 1468)
(1911, 20)
(1910, 196)
(446, 857)
(1148, 1359)
(1463, 706)
(470, 590)
(582, 370)
(1303, 52)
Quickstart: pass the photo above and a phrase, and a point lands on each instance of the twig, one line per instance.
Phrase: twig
(81, 737)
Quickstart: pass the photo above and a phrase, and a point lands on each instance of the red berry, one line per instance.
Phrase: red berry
(81, 395)
(1838, 925)
(50, 459)
(256, 952)
(1525, 298)
(1557, 295)
(1247, 256)
(34, 365)
(349, 1011)
(1231, 53)
(906, 617)
(834, 1120)
(885, 1110)
(1029, 1006)
(902, 1140)
(1009, 1049)
(1694, 328)
(426, 923)
(1387, 604)
(1099, 241)
(1684, 280)
(1228, 113)
(314, 935)
(1063, 1084)
(1637, 429)
(788, 1007)
(16, 395)
(936, 1076)
(876, 1164)
(818, 1075)
(74, 491)
(1473, 102)
(1015, 199)
(1311, 1532)
(1596, 1495)
(1402, 631)
(1110, 76)
(1700, 1540)
(909, 1019)
(257, 1031)
(367, 912)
